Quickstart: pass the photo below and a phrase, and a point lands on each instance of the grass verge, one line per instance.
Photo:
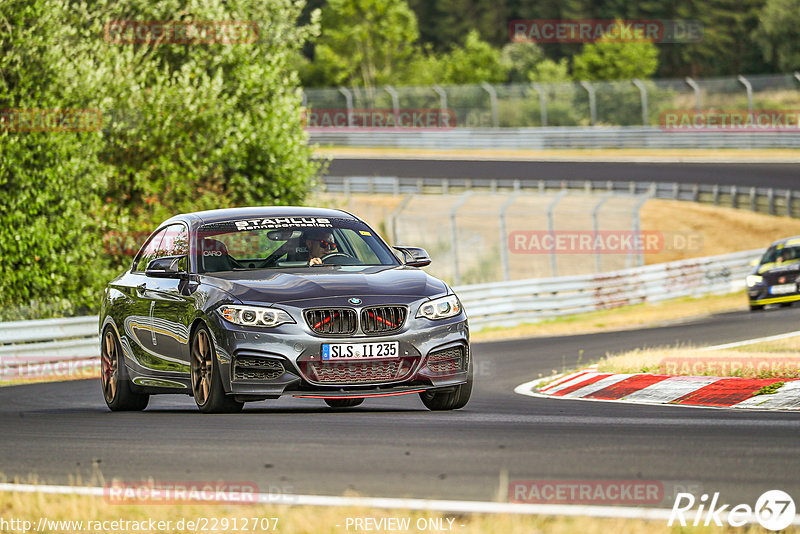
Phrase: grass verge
(96, 515)
(773, 360)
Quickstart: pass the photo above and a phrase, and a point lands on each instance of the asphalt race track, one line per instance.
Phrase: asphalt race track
(395, 447)
(781, 175)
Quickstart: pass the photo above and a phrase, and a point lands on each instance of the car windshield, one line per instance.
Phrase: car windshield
(289, 242)
(782, 253)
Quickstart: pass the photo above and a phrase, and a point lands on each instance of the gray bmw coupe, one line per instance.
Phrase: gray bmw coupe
(247, 304)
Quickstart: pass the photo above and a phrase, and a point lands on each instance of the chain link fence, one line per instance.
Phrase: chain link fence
(616, 103)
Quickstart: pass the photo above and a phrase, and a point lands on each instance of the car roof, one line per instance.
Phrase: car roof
(795, 241)
(199, 218)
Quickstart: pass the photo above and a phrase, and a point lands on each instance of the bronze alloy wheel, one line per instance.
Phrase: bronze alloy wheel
(202, 367)
(118, 392)
(207, 388)
(109, 366)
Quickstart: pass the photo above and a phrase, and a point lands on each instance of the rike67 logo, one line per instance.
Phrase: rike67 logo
(774, 510)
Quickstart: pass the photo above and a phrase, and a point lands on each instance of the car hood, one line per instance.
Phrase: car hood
(776, 268)
(290, 285)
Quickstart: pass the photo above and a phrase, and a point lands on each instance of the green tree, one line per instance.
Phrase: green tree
(615, 60)
(476, 62)
(185, 127)
(778, 34)
(520, 60)
(364, 42)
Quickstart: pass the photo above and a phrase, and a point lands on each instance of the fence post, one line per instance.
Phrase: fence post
(517, 185)
(637, 229)
(676, 190)
(693, 84)
(643, 92)
(348, 98)
(749, 89)
(592, 102)
(771, 200)
(695, 193)
(347, 187)
(504, 236)
(542, 103)
(442, 97)
(734, 195)
(454, 236)
(797, 76)
(789, 202)
(598, 263)
(753, 205)
(395, 214)
(493, 102)
(551, 230)
(395, 102)
(420, 185)
(445, 186)
(715, 191)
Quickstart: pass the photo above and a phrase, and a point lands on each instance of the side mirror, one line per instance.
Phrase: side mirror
(167, 267)
(414, 256)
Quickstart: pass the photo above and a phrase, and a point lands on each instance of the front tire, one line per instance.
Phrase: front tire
(756, 307)
(117, 391)
(343, 403)
(452, 399)
(209, 395)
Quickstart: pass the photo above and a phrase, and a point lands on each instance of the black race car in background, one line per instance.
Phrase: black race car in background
(247, 304)
(775, 279)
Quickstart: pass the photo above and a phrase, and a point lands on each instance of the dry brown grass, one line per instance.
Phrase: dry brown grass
(723, 230)
(773, 359)
(313, 520)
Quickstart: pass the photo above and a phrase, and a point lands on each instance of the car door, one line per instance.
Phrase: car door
(172, 305)
(139, 302)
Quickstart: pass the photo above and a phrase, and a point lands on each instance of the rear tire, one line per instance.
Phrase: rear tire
(453, 399)
(209, 395)
(343, 403)
(114, 381)
(756, 307)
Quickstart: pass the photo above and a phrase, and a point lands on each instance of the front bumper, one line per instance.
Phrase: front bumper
(759, 295)
(287, 361)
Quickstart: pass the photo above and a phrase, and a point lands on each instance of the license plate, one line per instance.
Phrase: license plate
(783, 289)
(360, 351)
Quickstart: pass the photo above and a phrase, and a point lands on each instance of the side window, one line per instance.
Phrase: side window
(148, 252)
(175, 242)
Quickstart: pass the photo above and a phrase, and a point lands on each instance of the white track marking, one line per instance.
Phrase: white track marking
(451, 506)
(752, 341)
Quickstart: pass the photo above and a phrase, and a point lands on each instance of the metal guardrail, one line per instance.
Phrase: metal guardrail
(526, 301)
(772, 201)
(493, 304)
(553, 138)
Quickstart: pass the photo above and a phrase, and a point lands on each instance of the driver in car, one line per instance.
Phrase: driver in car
(320, 243)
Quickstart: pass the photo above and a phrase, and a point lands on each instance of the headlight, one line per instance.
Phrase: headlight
(753, 279)
(255, 315)
(440, 308)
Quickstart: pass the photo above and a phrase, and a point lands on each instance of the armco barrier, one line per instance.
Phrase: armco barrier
(493, 304)
(526, 301)
(553, 138)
